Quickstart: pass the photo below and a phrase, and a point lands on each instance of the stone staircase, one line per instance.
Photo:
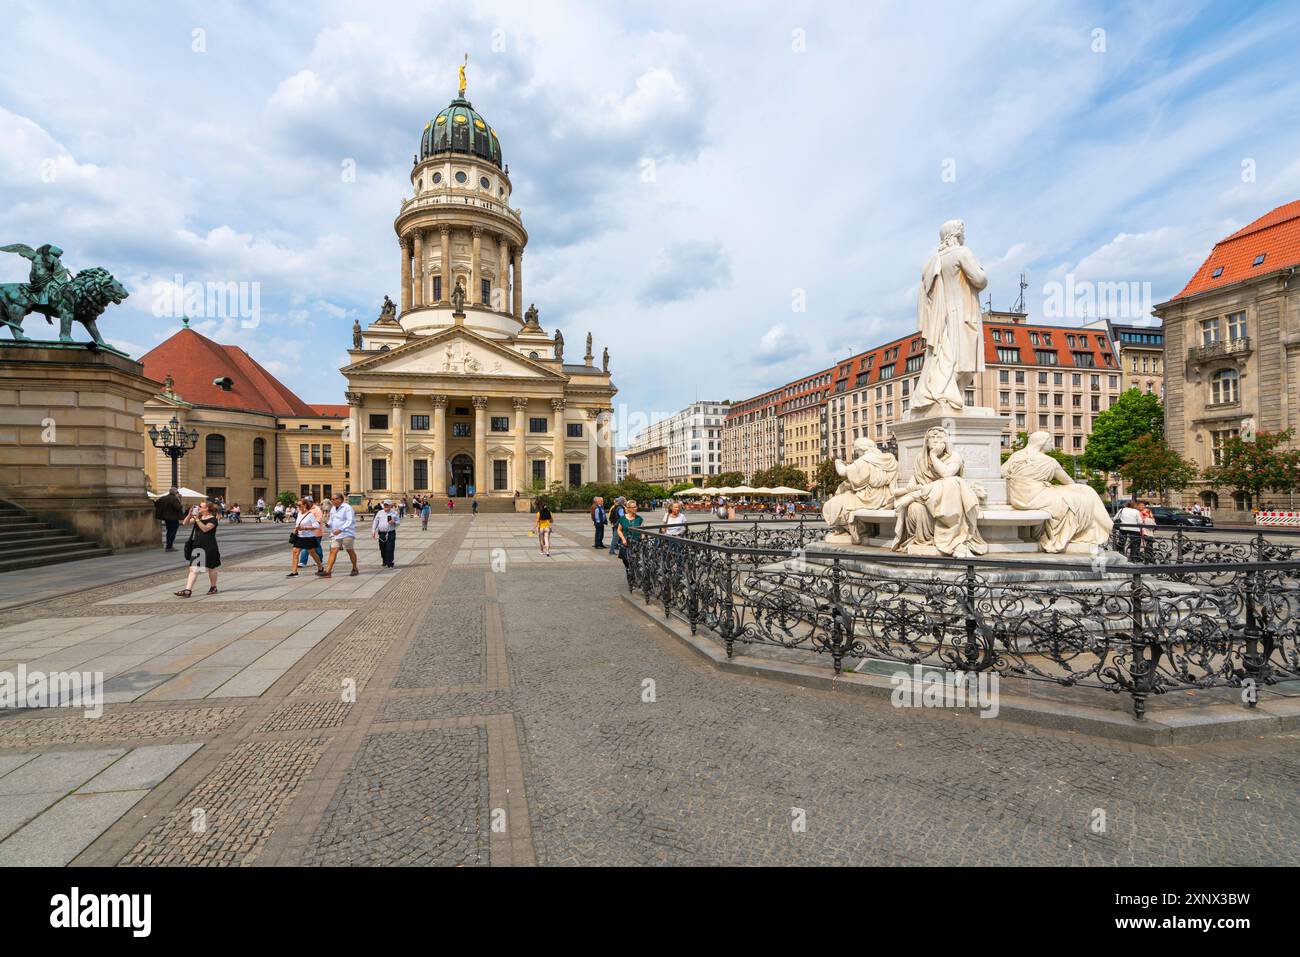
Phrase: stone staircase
(485, 505)
(26, 542)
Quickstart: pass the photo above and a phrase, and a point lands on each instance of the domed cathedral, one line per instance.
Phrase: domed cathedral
(463, 392)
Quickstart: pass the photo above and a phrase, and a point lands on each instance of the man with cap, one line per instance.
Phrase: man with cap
(384, 528)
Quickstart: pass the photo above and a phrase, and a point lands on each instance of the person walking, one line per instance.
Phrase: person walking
(615, 516)
(201, 550)
(473, 508)
(401, 509)
(629, 529)
(261, 509)
(542, 526)
(320, 518)
(384, 528)
(674, 522)
(425, 509)
(170, 510)
(343, 534)
(305, 538)
(599, 519)
(1129, 521)
(451, 506)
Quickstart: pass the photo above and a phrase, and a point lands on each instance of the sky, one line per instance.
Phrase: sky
(728, 196)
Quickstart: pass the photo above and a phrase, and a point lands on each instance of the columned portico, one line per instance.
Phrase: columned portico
(480, 444)
(519, 283)
(398, 481)
(502, 304)
(448, 284)
(357, 477)
(605, 470)
(521, 451)
(406, 275)
(558, 467)
(473, 293)
(439, 467)
(418, 297)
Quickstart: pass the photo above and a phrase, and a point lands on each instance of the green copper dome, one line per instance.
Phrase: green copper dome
(459, 129)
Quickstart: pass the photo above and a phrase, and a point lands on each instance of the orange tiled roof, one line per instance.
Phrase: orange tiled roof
(332, 411)
(194, 361)
(1275, 235)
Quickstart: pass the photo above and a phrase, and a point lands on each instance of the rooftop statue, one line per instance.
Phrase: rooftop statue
(559, 344)
(948, 316)
(458, 299)
(52, 291)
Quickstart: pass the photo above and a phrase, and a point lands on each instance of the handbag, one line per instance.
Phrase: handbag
(189, 544)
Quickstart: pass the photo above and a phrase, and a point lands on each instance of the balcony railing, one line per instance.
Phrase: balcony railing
(453, 198)
(1220, 349)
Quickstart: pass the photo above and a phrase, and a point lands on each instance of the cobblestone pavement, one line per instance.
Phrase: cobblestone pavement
(482, 705)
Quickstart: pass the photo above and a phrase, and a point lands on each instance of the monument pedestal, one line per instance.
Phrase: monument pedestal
(72, 440)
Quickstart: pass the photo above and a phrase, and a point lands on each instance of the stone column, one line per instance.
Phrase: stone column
(559, 470)
(593, 447)
(439, 466)
(522, 481)
(448, 283)
(357, 477)
(503, 267)
(476, 267)
(406, 275)
(418, 298)
(519, 283)
(480, 444)
(397, 481)
(605, 441)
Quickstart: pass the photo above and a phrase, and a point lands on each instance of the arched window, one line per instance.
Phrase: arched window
(214, 454)
(259, 458)
(1224, 387)
(1210, 499)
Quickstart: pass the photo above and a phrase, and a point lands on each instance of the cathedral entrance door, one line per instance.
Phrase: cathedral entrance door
(462, 476)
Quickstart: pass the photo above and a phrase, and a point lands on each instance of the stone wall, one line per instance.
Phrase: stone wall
(71, 441)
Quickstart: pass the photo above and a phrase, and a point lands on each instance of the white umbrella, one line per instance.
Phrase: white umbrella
(786, 490)
(184, 493)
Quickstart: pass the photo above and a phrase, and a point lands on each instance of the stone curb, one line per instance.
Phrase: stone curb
(1157, 729)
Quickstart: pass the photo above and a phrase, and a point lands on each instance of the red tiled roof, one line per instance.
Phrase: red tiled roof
(194, 361)
(1276, 235)
(1016, 336)
(333, 411)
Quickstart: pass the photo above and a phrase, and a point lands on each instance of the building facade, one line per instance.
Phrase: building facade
(1232, 347)
(256, 437)
(685, 447)
(753, 438)
(463, 392)
(1141, 356)
(804, 422)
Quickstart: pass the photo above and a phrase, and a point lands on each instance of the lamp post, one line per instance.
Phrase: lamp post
(174, 442)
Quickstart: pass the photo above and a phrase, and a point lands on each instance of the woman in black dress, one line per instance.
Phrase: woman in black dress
(201, 549)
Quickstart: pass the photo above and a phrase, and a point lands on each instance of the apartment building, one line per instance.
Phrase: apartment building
(685, 447)
(753, 437)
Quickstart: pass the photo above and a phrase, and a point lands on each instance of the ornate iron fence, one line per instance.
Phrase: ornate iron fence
(1144, 629)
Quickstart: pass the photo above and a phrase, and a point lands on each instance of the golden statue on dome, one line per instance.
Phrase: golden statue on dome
(461, 70)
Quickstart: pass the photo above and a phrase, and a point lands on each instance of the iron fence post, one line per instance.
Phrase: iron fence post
(729, 613)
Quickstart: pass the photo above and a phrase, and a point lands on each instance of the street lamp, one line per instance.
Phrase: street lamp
(890, 445)
(174, 442)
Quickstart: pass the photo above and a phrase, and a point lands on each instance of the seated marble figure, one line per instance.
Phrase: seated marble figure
(868, 483)
(938, 511)
(1035, 480)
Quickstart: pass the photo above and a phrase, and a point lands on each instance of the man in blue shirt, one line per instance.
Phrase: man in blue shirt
(343, 529)
(600, 520)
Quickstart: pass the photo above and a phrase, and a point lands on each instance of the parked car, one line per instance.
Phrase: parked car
(1176, 516)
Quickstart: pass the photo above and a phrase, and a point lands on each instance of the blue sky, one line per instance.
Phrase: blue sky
(727, 196)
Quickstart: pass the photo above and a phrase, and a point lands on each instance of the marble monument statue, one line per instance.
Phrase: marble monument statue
(1035, 480)
(948, 315)
(938, 510)
(868, 483)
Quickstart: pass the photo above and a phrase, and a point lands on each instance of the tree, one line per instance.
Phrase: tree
(1134, 414)
(287, 498)
(1150, 464)
(788, 475)
(725, 480)
(826, 480)
(1253, 466)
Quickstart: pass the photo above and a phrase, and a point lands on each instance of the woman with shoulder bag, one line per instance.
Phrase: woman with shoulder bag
(201, 548)
(305, 537)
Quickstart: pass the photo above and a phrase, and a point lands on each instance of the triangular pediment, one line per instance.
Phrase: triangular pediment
(455, 353)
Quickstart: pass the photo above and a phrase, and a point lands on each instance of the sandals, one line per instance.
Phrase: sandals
(212, 590)
(183, 593)
(291, 575)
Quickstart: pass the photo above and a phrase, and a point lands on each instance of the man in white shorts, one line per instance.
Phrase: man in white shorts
(343, 529)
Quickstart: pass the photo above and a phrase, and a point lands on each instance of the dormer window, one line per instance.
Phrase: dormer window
(1259, 260)
(1217, 272)
(225, 383)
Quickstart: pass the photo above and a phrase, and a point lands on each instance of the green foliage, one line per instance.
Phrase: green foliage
(1253, 466)
(725, 480)
(1151, 465)
(287, 498)
(560, 498)
(826, 480)
(787, 475)
(1134, 414)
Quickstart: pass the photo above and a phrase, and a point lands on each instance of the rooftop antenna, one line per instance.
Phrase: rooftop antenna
(1020, 303)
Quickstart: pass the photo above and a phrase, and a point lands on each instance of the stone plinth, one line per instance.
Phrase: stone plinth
(72, 440)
